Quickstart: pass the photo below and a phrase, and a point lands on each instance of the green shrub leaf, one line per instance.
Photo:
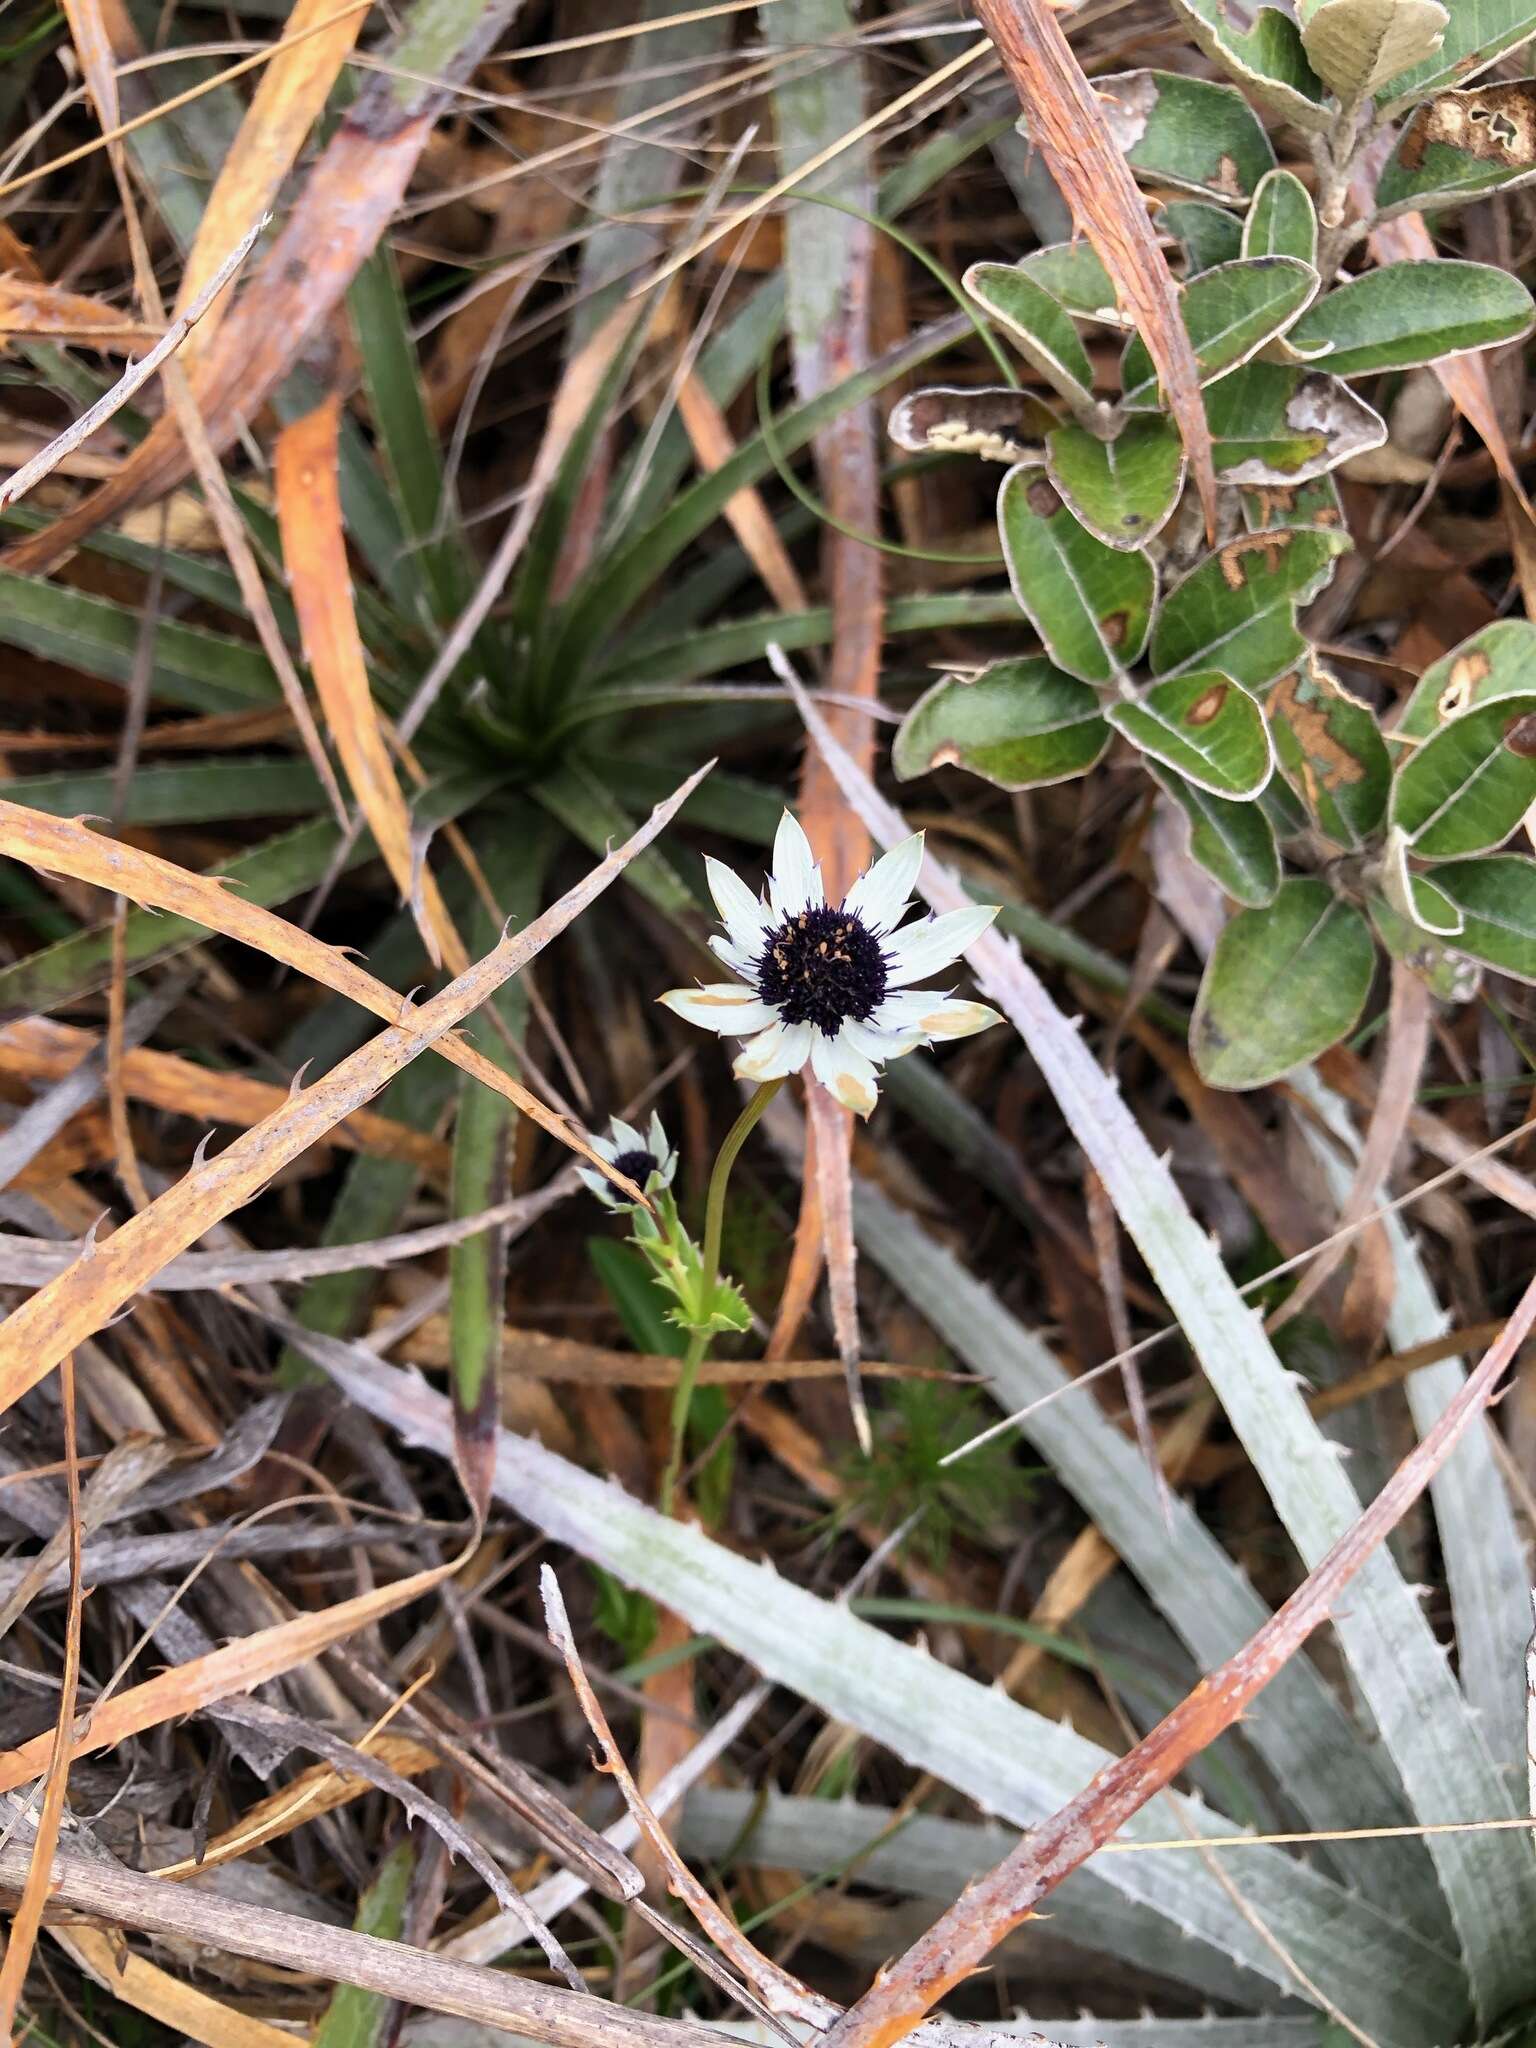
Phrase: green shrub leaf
(1331, 752)
(1448, 975)
(1207, 234)
(1500, 661)
(1019, 724)
(1282, 985)
(1038, 325)
(1314, 503)
(993, 421)
(1467, 788)
(1282, 220)
(1186, 132)
(1477, 32)
(1206, 728)
(1497, 900)
(1268, 58)
(1461, 144)
(1279, 423)
(1072, 273)
(1236, 610)
(1233, 842)
(1356, 46)
(1229, 313)
(1411, 313)
(1090, 604)
(1122, 490)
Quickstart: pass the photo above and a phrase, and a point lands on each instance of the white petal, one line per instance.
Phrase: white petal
(626, 1137)
(844, 1072)
(880, 894)
(795, 883)
(926, 1013)
(605, 1148)
(723, 1006)
(656, 1139)
(781, 1049)
(738, 961)
(592, 1180)
(924, 948)
(741, 913)
(878, 1042)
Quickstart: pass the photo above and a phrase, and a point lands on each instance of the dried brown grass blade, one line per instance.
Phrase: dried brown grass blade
(48, 311)
(67, 847)
(135, 1981)
(86, 1296)
(284, 107)
(28, 1917)
(315, 551)
(1067, 125)
(232, 1668)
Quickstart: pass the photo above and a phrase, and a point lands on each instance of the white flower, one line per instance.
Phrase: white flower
(831, 987)
(648, 1161)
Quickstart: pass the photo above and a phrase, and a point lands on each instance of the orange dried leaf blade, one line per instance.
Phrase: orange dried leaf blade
(315, 552)
(34, 309)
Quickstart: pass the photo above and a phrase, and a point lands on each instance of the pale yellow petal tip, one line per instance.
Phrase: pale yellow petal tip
(855, 1094)
(960, 1020)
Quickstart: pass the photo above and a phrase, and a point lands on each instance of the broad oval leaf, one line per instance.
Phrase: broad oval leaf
(1122, 490)
(1357, 46)
(1207, 234)
(1330, 750)
(1282, 985)
(1413, 896)
(1279, 423)
(1019, 724)
(1500, 661)
(1038, 325)
(1090, 604)
(1314, 503)
(1460, 144)
(1236, 610)
(1469, 785)
(1186, 132)
(1449, 975)
(1282, 220)
(993, 421)
(1411, 313)
(1233, 842)
(1229, 314)
(1206, 728)
(1073, 274)
(1477, 33)
(1268, 57)
(1497, 900)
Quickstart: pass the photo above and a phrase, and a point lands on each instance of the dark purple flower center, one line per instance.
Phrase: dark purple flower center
(636, 1166)
(822, 967)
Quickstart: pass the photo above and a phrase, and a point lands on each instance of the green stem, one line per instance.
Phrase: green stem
(714, 1227)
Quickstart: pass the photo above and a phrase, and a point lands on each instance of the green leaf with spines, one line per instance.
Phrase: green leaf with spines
(1497, 900)
(1281, 423)
(1019, 724)
(1203, 726)
(1038, 325)
(1091, 604)
(1229, 314)
(1234, 842)
(1236, 610)
(1410, 313)
(1124, 489)
(1186, 132)
(1282, 985)
(1500, 661)
(1282, 220)
(1467, 788)
(1330, 750)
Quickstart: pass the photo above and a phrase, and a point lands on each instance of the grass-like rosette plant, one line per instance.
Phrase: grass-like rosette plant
(1329, 830)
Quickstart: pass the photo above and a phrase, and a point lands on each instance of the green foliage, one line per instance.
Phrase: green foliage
(915, 1430)
(626, 1617)
(1332, 832)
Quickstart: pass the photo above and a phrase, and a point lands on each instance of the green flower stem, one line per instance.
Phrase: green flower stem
(714, 1227)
